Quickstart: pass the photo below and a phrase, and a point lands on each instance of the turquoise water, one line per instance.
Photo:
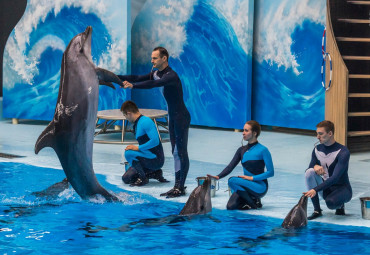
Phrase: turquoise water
(142, 224)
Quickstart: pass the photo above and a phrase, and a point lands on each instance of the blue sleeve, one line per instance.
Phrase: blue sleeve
(149, 127)
(234, 162)
(136, 78)
(167, 79)
(314, 160)
(340, 168)
(266, 155)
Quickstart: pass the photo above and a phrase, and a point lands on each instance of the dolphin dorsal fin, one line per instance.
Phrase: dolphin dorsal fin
(46, 139)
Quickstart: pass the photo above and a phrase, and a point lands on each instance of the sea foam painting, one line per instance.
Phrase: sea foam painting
(34, 49)
(210, 46)
(287, 58)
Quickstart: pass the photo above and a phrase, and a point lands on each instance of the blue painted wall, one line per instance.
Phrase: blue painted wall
(33, 53)
(210, 43)
(287, 90)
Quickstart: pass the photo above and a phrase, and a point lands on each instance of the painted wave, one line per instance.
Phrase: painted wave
(34, 50)
(207, 55)
(287, 89)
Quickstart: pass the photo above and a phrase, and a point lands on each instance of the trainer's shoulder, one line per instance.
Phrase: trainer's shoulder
(343, 149)
(262, 147)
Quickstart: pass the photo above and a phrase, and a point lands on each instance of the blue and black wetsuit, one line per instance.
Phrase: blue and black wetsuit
(334, 185)
(254, 157)
(178, 114)
(150, 156)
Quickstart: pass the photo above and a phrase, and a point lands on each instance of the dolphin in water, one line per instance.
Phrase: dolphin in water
(199, 201)
(297, 217)
(71, 132)
(53, 191)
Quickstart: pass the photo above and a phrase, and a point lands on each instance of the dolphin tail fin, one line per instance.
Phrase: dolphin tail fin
(107, 77)
(46, 139)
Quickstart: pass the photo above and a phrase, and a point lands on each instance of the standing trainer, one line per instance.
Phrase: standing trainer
(178, 114)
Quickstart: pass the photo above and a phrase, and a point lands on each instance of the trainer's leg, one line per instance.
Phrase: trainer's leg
(312, 180)
(248, 189)
(336, 197)
(130, 176)
(181, 149)
(234, 202)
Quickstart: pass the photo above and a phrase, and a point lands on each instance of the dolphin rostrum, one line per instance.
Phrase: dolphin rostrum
(199, 201)
(297, 217)
(71, 132)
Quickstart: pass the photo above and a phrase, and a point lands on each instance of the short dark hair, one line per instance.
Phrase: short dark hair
(256, 127)
(327, 125)
(162, 52)
(129, 106)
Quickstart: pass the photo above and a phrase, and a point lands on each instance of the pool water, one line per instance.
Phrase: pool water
(142, 224)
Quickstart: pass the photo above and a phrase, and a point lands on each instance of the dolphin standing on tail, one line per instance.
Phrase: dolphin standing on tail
(71, 132)
(297, 217)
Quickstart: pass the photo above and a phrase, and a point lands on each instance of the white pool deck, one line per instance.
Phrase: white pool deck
(209, 151)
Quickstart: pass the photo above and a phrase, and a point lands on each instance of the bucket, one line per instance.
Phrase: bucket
(126, 166)
(214, 182)
(365, 207)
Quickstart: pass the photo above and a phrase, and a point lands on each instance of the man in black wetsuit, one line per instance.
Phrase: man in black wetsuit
(327, 173)
(178, 114)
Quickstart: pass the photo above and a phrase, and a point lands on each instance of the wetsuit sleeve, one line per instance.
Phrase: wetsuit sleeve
(167, 79)
(340, 168)
(266, 155)
(230, 167)
(314, 160)
(136, 78)
(151, 131)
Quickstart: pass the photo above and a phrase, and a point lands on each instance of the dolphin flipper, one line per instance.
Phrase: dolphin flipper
(46, 139)
(109, 84)
(106, 77)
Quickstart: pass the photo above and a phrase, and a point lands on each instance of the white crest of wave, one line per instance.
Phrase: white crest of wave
(237, 13)
(277, 25)
(51, 41)
(167, 28)
(36, 12)
(112, 59)
(24, 66)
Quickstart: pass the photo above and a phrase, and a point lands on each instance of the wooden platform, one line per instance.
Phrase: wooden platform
(111, 117)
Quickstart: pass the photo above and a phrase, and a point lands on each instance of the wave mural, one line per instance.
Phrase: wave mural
(210, 46)
(287, 90)
(33, 53)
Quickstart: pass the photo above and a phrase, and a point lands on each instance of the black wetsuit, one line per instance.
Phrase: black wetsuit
(178, 114)
(335, 183)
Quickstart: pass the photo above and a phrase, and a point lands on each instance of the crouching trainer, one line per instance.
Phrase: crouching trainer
(248, 189)
(145, 161)
(327, 173)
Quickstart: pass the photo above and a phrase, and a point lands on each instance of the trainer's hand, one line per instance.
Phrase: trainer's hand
(246, 177)
(311, 193)
(132, 147)
(213, 176)
(319, 170)
(127, 85)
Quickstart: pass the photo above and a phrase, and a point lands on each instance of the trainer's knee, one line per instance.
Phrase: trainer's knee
(310, 173)
(333, 203)
(126, 179)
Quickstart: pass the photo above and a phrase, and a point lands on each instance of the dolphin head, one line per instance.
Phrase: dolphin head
(297, 217)
(303, 203)
(80, 45)
(199, 201)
